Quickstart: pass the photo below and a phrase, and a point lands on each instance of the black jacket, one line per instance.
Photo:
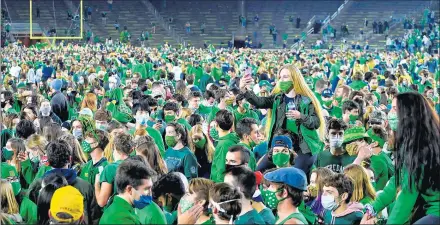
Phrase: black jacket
(60, 106)
(310, 121)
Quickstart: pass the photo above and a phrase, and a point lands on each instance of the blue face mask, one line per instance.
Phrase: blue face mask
(77, 133)
(144, 201)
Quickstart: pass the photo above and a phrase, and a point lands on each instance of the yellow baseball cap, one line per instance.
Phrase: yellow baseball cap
(67, 205)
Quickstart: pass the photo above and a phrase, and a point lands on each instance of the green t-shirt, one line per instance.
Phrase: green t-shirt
(109, 174)
(89, 170)
(335, 163)
(267, 216)
(28, 211)
(119, 212)
(151, 214)
(251, 217)
(182, 160)
(297, 216)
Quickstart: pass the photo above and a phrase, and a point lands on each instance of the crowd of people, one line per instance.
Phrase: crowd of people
(118, 134)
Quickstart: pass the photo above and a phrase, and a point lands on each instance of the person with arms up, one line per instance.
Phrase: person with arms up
(292, 106)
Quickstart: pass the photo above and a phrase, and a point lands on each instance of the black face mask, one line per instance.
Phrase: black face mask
(3, 104)
(229, 167)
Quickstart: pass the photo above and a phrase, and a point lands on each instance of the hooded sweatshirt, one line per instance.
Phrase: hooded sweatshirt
(219, 161)
(352, 215)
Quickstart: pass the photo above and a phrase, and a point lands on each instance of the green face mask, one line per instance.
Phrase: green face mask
(285, 86)
(160, 102)
(246, 105)
(185, 205)
(353, 118)
(270, 198)
(170, 141)
(200, 143)
(393, 120)
(280, 159)
(170, 118)
(214, 134)
(78, 99)
(86, 147)
(338, 99)
(7, 153)
(327, 103)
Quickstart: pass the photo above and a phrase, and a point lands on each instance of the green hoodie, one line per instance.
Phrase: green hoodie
(219, 162)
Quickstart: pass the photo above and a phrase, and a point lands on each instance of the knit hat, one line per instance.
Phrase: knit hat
(67, 205)
(354, 133)
(56, 84)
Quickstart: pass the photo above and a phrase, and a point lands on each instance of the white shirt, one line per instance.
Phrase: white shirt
(177, 71)
(15, 71)
(31, 76)
(39, 74)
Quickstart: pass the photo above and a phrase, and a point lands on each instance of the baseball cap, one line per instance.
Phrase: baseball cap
(343, 67)
(327, 93)
(282, 141)
(67, 205)
(291, 176)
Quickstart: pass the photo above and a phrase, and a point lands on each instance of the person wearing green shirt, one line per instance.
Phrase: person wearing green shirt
(105, 181)
(249, 134)
(284, 192)
(225, 100)
(339, 209)
(243, 110)
(327, 102)
(245, 180)
(194, 103)
(171, 113)
(178, 157)
(335, 158)
(94, 145)
(224, 121)
(416, 174)
(380, 163)
(134, 184)
(142, 115)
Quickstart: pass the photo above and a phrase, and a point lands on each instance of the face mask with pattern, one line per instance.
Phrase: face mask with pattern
(352, 148)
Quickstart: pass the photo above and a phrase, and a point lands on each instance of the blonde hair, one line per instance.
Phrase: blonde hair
(38, 141)
(89, 101)
(108, 151)
(300, 87)
(185, 113)
(201, 187)
(140, 132)
(9, 203)
(209, 147)
(361, 183)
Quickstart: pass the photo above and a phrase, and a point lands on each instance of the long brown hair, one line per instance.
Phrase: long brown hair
(17, 146)
(148, 150)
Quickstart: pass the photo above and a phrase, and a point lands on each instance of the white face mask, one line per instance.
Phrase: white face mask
(45, 111)
(329, 203)
(336, 142)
